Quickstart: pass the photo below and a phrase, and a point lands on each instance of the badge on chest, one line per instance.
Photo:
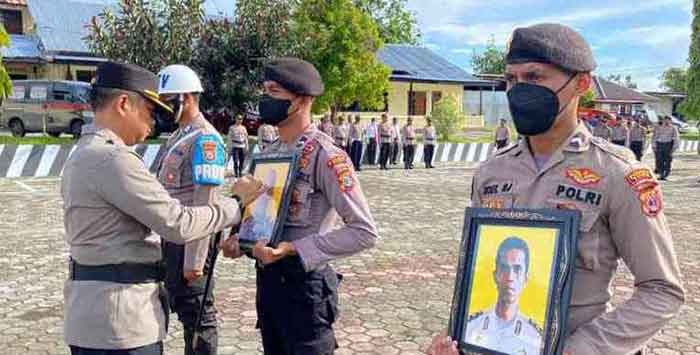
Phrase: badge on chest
(578, 194)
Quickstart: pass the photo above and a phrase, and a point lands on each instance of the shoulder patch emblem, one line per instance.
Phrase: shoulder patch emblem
(640, 179)
(651, 201)
(582, 176)
(343, 171)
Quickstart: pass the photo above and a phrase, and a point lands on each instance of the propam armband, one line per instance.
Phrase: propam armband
(208, 160)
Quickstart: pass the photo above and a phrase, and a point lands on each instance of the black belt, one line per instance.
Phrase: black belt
(127, 273)
(264, 141)
(238, 142)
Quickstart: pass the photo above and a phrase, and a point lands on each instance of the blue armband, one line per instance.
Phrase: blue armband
(208, 160)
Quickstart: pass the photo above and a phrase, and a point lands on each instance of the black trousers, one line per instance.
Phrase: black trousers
(409, 152)
(238, 155)
(186, 300)
(297, 309)
(371, 152)
(637, 148)
(428, 152)
(620, 142)
(384, 154)
(152, 349)
(501, 143)
(394, 153)
(356, 154)
(665, 151)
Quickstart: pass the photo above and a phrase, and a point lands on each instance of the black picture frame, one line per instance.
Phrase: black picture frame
(478, 336)
(249, 233)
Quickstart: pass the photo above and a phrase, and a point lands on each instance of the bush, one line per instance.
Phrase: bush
(447, 117)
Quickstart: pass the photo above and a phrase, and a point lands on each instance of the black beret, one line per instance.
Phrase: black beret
(295, 75)
(552, 44)
(129, 77)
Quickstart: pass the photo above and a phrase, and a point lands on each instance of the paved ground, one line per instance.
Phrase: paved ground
(393, 299)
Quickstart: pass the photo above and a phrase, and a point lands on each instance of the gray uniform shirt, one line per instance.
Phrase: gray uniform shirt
(666, 134)
(621, 133)
(429, 135)
(638, 133)
(602, 131)
(111, 202)
(328, 215)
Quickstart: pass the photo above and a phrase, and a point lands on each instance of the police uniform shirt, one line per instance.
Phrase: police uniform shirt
(355, 134)
(622, 219)
(602, 131)
(502, 134)
(386, 133)
(666, 134)
(191, 170)
(429, 135)
(638, 133)
(518, 336)
(266, 134)
(328, 216)
(327, 128)
(408, 134)
(111, 202)
(620, 133)
(396, 133)
(340, 133)
(238, 136)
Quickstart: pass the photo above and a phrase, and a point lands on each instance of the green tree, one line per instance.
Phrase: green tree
(341, 41)
(447, 117)
(491, 61)
(619, 80)
(397, 25)
(691, 106)
(150, 33)
(587, 99)
(675, 79)
(5, 82)
(230, 55)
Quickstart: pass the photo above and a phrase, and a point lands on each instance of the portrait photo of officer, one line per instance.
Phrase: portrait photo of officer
(259, 220)
(503, 328)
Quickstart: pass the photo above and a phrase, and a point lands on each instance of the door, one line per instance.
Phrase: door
(61, 108)
(35, 109)
(15, 103)
(417, 103)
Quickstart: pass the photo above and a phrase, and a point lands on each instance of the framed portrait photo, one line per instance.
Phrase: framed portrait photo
(514, 279)
(264, 218)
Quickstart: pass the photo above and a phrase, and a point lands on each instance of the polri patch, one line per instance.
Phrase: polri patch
(651, 201)
(208, 160)
(640, 179)
(578, 194)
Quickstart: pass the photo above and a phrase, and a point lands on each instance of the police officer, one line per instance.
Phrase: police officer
(385, 140)
(409, 146)
(355, 138)
(191, 170)
(266, 135)
(327, 125)
(238, 139)
(638, 137)
(665, 140)
(502, 135)
(601, 130)
(429, 140)
(372, 137)
(113, 301)
(340, 134)
(620, 134)
(560, 165)
(396, 141)
(296, 288)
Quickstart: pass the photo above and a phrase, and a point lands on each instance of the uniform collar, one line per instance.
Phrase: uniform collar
(197, 122)
(105, 133)
(578, 141)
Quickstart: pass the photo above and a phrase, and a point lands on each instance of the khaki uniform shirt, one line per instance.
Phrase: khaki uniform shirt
(622, 219)
(386, 133)
(111, 203)
(266, 135)
(502, 133)
(396, 133)
(340, 133)
(638, 133)
(621, 133)
(355, 133)
(238, 136)
(666, 134)
(519, 336)
(408, 134)
(327, 128)
(429, 135)
(325, 195)
(602, 131)
(175, 174)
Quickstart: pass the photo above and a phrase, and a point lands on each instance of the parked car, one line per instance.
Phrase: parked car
(682, 126)
(53, 107)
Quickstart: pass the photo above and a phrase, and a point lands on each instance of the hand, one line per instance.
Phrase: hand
(443, 345)
(193, 275)
(248, 188)
(268, 255)
(230, 247)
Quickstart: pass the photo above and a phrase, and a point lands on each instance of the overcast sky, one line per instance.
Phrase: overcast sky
(629, 37)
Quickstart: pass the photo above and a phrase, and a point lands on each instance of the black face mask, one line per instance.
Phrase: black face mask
(534, 107)
(273, 111)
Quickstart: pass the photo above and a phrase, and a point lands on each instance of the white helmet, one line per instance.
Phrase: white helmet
(178, 79)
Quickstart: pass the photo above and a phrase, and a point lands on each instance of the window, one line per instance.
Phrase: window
(12, 20)
(82, 94)
(38, 92)
(84, 75)
(18, 92)
(19, 77)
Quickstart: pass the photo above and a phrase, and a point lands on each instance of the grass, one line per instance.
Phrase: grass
(46, 140)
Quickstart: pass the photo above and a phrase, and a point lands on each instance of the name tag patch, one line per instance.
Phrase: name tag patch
(502, 188)
(580, 195)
